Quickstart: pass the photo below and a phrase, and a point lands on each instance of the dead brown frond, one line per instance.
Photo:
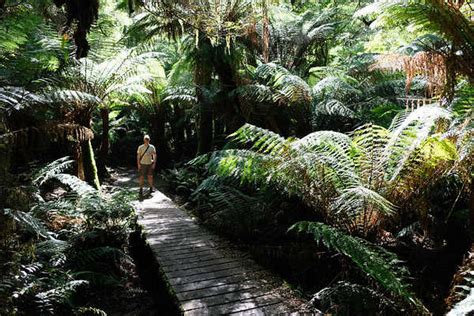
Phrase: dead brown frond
(430, 65)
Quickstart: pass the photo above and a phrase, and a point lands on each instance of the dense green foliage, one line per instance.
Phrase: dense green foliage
(61, 246)
(349, 121)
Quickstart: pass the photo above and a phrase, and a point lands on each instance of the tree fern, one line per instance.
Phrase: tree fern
(356, 181)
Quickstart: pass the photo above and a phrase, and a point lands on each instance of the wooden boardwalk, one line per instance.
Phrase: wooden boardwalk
(206, 275)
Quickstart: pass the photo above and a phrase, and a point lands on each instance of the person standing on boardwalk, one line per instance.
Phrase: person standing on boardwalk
(146, 160)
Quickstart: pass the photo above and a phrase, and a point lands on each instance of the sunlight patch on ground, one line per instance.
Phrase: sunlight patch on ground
(124, 179)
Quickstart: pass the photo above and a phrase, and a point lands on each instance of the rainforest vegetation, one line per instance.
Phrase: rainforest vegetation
(331, 139)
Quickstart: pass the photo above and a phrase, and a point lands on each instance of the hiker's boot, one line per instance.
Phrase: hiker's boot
(151, 190)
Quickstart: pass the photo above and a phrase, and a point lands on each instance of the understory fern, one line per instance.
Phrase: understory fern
(382, 266)
(62, 250)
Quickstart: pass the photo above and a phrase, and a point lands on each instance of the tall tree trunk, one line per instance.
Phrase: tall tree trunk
(205, 136)
(178, 131)
(159, 138)
(202, 79)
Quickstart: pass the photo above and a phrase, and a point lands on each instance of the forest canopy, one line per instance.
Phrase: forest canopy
(332, 140)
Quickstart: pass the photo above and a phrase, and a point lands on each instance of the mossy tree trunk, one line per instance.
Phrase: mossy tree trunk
(89, 165)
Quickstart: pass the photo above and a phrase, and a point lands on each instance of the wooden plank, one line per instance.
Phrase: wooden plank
(204, 269)
(188, 241)
(179, 261)
(199, 264)
(187, 251)
(189, 247)
(210, 276)
(174, 234)
(233, 297)
(235, 306)
(218, 290)
(186, 255)
(201, 285)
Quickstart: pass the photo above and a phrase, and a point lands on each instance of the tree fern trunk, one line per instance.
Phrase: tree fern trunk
(78, 156)
(163, 151)
(179, 132)
(204, 129)
(228, 82)
(104, 146)
(202, 78)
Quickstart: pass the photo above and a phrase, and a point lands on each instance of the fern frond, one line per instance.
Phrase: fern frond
(90, 311)
(51, 170)
(30, 223)
(379, 264)
(260, 139)
(244, 165)
(407, 135)
(77, 185)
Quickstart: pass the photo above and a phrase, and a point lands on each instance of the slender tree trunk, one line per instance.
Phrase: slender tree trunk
(105, 143)
(266, 32)
(471, 209)
(90, 168)
(202, 79)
